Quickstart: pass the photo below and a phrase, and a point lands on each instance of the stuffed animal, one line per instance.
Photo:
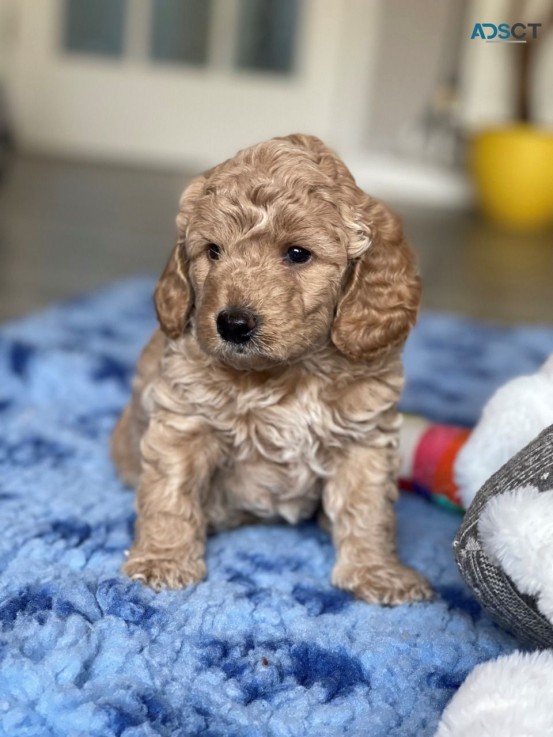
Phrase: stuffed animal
(516, 413)
(507, 697)
(504, 550)
(448, 464)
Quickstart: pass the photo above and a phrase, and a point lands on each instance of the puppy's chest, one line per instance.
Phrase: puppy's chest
(294, 426)
(277, 439)
(279, 443)
(275, 454)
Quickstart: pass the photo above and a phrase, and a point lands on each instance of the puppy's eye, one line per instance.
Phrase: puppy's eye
(213, 252)
(297, 255)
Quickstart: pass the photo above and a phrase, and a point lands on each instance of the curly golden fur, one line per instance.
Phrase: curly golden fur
(300, 418)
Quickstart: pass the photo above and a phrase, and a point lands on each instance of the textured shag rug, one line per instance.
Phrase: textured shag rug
(265, 646)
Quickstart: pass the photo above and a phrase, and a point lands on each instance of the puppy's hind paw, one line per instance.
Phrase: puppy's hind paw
(160, 573)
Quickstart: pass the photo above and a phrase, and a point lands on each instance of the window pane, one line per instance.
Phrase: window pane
(267, 35)
(180, 30)
(94, 26)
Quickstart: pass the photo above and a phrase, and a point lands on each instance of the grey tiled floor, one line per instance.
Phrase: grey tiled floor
(70, 227)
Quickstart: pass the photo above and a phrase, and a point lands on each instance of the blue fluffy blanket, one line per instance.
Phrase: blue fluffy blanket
(265, 646)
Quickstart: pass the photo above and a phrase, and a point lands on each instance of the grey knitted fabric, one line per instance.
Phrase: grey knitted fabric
(515, 612)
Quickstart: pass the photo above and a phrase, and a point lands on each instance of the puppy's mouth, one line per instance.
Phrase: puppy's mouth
(247, 361)
(249, 355)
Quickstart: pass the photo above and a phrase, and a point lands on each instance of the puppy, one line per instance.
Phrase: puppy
(270, 391)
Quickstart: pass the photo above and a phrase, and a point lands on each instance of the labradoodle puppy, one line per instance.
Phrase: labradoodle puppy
(270, 391)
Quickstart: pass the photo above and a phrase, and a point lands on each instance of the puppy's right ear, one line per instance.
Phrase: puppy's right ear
(173, 296)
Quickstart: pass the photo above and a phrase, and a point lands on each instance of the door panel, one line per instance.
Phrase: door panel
(236, 71)
(94, 26)
(180, 31)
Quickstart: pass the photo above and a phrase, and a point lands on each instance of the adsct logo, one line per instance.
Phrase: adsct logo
(503, 33)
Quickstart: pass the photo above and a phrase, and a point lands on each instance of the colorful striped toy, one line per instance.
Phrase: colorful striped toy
(428, 454)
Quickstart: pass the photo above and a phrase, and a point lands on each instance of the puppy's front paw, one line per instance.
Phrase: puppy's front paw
(391, 584)
(162, 573)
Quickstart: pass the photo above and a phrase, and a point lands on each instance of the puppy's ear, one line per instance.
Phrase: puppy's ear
(173, 296)
(381, 297)
(380, 300)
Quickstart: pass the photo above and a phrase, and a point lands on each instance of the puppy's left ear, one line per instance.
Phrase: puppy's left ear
(381, 297)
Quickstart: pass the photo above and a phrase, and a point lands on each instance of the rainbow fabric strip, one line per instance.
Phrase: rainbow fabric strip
(432, 474)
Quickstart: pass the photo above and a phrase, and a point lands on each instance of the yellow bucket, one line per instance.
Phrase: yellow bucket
(512, 169)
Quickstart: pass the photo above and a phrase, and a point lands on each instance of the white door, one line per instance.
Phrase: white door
(186, 81)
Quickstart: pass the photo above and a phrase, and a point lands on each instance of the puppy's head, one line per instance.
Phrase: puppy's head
(279, 252)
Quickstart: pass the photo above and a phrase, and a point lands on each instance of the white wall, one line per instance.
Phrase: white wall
(490, 71)
(130, 109)
(8, 39)
(367, 70)
(413, 48)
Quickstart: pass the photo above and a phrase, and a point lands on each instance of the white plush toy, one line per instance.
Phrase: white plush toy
(504, 550)
(516, 413)
(507, 697)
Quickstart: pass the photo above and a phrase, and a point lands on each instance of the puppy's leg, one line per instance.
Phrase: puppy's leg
(125, 443)
(170, 528)
(358, 500)
(125, 440)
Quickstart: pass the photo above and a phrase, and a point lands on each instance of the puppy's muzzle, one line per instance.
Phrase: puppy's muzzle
(236, 325)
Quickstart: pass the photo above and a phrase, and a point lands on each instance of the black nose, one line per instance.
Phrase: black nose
(236, 326)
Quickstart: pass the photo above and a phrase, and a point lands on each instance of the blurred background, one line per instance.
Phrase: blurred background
(108, 107)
